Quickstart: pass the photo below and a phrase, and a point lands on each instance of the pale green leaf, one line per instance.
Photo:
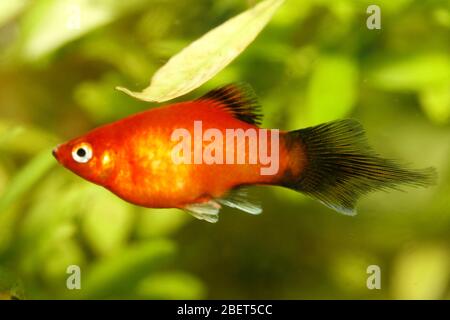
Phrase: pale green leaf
(208, 55)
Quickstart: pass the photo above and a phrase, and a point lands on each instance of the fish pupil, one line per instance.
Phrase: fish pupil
(81, 153)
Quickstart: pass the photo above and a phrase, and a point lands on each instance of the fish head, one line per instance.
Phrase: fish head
(92, 157)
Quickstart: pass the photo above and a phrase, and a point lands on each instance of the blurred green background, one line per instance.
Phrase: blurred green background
(315, 61)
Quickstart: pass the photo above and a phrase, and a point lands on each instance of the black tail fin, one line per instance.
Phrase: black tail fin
(340, 166)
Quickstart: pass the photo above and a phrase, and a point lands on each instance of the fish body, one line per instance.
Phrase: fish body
(135, 157)
(198, 155)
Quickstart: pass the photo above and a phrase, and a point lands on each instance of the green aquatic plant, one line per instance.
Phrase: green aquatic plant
(208, 55)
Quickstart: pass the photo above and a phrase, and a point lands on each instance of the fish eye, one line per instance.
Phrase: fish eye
(82, 153)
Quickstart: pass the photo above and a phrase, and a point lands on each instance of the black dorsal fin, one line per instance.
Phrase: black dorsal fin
(239, 99)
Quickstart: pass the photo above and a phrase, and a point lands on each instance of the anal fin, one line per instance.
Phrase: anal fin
(208, 211)
(238, 198)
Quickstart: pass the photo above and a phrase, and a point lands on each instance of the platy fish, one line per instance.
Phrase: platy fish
(201, 155)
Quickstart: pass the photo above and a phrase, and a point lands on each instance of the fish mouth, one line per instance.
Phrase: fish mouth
(55, 152)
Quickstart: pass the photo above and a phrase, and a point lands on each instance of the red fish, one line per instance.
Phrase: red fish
(178, 156)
